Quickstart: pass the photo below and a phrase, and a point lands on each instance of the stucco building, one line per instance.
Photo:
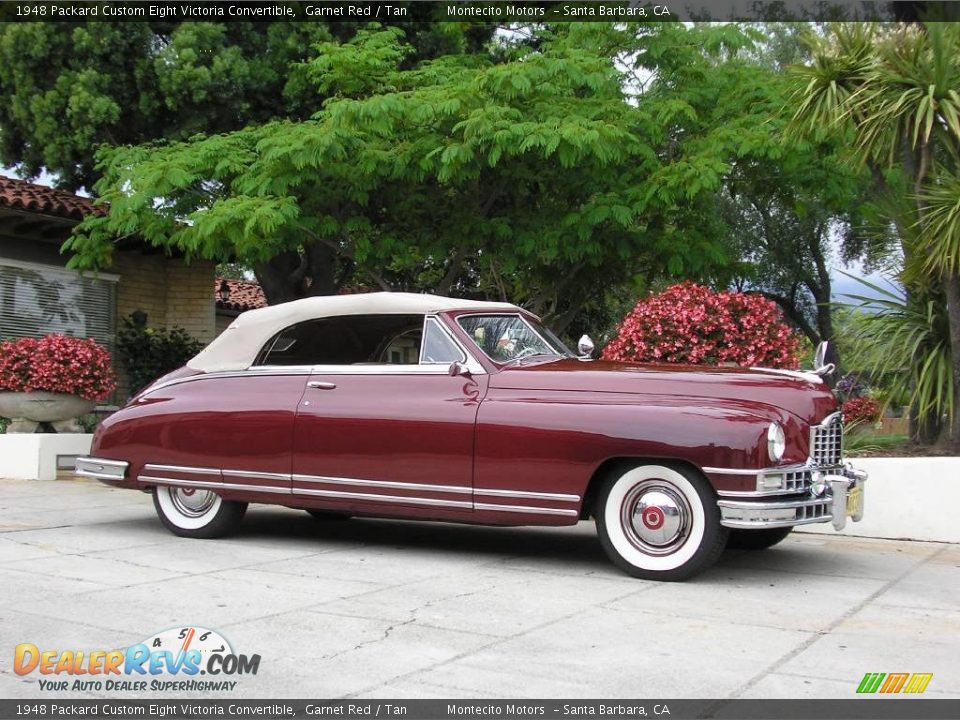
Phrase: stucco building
(39, 295)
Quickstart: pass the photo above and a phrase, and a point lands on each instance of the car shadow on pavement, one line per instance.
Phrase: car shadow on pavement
(575, 547)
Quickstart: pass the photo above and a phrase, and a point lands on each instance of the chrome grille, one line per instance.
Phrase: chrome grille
(826, 443)
(796, 481)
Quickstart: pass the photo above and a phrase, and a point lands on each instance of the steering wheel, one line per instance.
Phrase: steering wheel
(526, 352)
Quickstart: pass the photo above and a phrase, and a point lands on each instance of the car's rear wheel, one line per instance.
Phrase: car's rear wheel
(658, 522)
(328, 515)
(196, 513)
(756, 539)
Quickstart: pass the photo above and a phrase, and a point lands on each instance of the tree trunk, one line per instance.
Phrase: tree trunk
(292, 275)
(950, 436)
(321, 270)
(281, 277)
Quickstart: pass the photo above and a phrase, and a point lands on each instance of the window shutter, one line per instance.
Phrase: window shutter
(37, 300)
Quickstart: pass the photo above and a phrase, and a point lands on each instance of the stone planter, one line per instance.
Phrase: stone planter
(27, 410)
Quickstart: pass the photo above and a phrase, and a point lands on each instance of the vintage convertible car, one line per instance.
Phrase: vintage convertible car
(423, 407)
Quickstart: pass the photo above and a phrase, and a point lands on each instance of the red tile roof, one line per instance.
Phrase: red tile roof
(28, 196)
(246, 295)
(243, 295)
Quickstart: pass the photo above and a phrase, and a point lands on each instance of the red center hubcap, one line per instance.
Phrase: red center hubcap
(653, 518)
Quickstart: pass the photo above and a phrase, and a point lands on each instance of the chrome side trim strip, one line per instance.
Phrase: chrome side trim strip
(525, 509)
(181, 468)
(559, 497)
(214, 485)
(375, 497)
(730, 471)
(399, 499)
(289, 370)
(215, 471)
(458, 489)
(257, 475)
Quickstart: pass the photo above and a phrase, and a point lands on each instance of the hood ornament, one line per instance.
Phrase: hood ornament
(820, 365)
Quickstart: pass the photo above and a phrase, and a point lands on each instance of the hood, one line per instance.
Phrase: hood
(803, 395)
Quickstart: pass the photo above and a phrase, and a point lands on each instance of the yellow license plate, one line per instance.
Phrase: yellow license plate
(854, 501)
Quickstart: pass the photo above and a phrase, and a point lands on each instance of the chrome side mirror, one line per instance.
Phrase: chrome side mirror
(585, 347)
(820, 365)
(458, 369)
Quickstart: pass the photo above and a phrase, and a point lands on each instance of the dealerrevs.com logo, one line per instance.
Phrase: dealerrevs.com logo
(172, 660)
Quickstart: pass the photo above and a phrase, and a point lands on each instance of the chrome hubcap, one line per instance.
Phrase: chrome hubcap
(191, 502)
(655, 517)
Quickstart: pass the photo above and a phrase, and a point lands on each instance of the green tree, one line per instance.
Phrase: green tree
(896, 89)
(67, 88)
(530, 173)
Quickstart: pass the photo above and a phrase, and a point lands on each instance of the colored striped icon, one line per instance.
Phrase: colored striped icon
(894, 683)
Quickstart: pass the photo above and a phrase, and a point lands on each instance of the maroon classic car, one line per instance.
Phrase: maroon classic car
(431, 408)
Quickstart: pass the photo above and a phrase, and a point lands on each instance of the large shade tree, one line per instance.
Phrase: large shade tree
(532, 173)
(67, 88)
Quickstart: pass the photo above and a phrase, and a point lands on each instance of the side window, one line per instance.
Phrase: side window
(347, 340)
(438, 347)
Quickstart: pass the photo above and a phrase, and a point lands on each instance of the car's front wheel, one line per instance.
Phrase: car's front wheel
(658, 522)
(196, 513)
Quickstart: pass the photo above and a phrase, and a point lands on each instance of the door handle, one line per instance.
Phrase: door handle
(319, 385)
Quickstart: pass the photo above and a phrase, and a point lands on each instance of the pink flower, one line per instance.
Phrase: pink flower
(57, 363)
(689, 323)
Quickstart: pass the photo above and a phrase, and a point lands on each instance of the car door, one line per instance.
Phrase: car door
(392, 433)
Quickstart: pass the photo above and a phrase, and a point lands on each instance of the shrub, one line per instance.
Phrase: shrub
(861, 410)
(852, 385)
(59, 364)
(149, 353)
(692, 324)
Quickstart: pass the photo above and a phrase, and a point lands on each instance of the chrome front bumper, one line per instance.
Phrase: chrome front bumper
(840, 496)
(108, 471)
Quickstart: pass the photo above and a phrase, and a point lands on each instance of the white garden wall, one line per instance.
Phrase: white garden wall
(916, 498)
(33, 456)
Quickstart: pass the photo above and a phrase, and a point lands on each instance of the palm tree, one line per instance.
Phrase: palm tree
(894, 89)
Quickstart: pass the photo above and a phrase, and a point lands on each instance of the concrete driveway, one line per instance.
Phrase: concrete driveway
(388, 609)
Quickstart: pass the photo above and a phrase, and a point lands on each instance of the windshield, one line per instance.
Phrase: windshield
(509, 338)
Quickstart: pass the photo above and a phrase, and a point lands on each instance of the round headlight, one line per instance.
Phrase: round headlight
(776, 442)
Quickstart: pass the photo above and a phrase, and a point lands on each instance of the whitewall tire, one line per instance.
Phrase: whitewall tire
(658, 522)
(195, 512)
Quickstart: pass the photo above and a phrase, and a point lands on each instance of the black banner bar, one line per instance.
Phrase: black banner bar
(553, 11)
(867, 708)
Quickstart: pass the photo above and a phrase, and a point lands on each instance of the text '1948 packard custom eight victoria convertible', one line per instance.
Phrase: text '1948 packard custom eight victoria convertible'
(432, 408)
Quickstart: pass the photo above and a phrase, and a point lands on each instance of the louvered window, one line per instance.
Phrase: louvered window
(36, 300)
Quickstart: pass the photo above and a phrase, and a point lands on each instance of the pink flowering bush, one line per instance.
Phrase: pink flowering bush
(692, 324)
(59, 364)
(861, 410)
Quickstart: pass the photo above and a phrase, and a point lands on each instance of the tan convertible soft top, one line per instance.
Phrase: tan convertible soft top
(236, 348)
